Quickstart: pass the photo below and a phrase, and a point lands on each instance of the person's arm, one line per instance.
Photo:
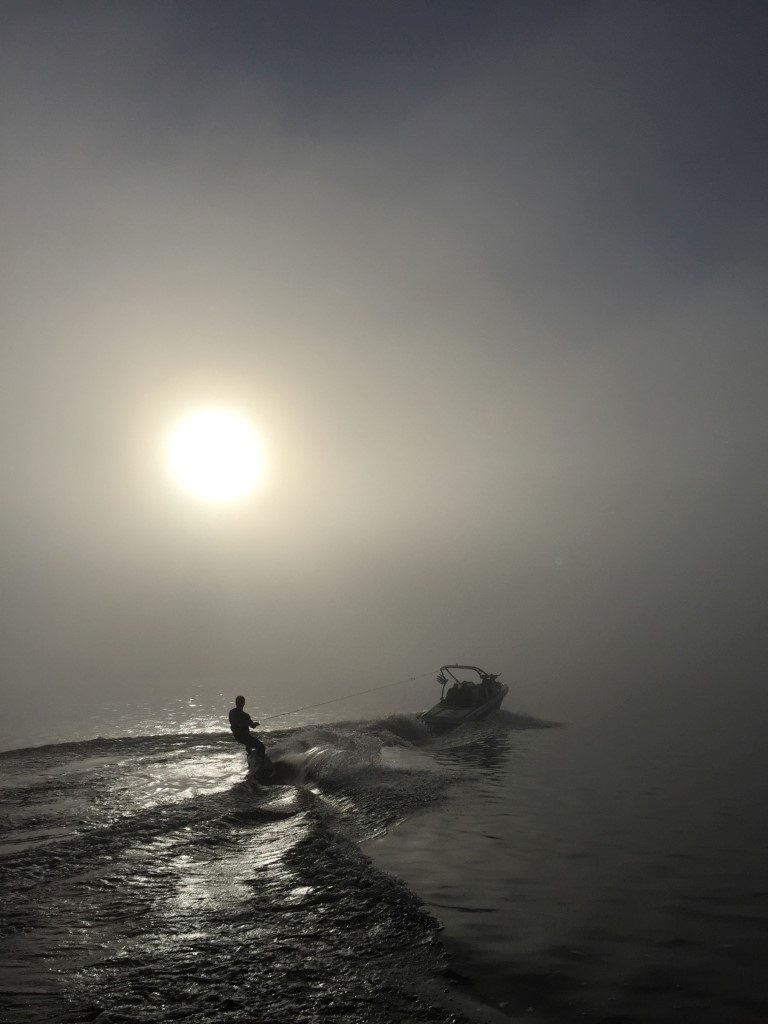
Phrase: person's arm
(252, 723)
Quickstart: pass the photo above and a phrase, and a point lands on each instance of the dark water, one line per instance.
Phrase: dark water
(609, 872)
(566, 874)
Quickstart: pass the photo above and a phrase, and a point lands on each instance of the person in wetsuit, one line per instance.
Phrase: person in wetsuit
(241, 723)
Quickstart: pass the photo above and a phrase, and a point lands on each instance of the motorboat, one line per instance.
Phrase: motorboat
(468, 694)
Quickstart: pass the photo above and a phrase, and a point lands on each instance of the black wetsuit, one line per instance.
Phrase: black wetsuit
(241, 722)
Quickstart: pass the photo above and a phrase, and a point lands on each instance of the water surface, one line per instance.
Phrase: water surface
(606, 872)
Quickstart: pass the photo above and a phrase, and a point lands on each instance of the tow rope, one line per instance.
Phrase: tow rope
(348, 696)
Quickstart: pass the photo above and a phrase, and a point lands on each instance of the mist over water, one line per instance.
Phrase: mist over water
(489, 283)
(488, 280)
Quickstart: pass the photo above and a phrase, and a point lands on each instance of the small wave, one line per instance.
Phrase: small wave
(516, 720)
(409, 728)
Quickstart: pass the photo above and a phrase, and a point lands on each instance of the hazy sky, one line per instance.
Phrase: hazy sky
(489, 278)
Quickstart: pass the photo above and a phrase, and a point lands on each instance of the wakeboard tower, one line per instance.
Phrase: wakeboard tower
(472, 694)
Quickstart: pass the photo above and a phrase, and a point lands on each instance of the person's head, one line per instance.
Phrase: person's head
(239, 701)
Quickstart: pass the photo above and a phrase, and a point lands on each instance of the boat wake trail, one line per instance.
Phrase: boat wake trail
(151, 879)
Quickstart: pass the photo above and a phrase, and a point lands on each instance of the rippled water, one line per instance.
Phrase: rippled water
(599, 874)
(566, 874)
(148, 879)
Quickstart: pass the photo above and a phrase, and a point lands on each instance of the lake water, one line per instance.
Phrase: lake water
(613, 871)
(599, 874)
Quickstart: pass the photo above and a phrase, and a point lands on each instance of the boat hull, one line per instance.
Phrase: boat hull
(444, 717)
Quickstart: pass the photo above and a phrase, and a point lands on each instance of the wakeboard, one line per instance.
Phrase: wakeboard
(260, 768)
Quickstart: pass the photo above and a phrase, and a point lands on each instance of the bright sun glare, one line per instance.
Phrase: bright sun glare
(216, 455)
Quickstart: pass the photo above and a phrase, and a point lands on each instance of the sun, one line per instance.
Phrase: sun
(216, 455)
